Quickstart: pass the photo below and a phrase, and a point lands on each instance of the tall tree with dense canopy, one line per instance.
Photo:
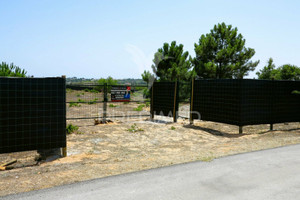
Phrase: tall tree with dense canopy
(222, 54)
(11, 70)
(172, 63)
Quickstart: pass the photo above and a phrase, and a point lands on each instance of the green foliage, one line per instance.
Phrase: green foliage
(289, 72)
(91, 90)
(109, 80)
(134, 128)
(172, 63)
(268, 72)
(131, 81)
(69, 90)
(173, 128)
(295, 92)
(146, 93)
(74, 104)
(184, 91)
(147, 104)
(222, 54)
(133, 94)
(112, 105)
(71, 128)
(81, 101)
(126, 102)
(147, 76)
(139, 108)
(93, 101)
(94, 90)
(11, 70)
(137, 88)
(284, 72)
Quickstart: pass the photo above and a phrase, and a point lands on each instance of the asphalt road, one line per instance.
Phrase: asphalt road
(269, 174)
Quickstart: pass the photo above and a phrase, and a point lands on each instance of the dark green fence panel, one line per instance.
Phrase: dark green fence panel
(217, 100)
(246, 101)
(256, 102)
(286, 101)
(165, 99)
(32, 114)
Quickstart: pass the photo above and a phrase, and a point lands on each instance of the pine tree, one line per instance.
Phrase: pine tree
(268, 72)
(222, 54)
(147, 76)
(284, 72)
(11, 70)
(172, 63)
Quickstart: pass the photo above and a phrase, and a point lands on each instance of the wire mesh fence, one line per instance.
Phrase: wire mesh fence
(247, 102)
(184, 94)
(95, 102)
(32, 114)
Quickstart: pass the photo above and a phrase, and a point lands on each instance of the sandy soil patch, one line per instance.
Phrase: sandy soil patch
(105, 150)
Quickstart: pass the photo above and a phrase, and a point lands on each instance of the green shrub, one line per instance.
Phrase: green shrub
(91, 90)
(146, 93)
(93, 101)
(81, 101)
(74, 104)
(134, 128)
(126, 102)
(139, 108)
(173, 128)
(94, 91)
(71, 128)
(184, 91)
(112, 105)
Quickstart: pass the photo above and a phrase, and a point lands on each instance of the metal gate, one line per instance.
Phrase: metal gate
(94, 101)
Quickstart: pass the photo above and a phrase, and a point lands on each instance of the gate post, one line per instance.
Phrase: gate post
(272, 104)
(64, 149)
(192, 101)
(240, 129)
(104, 103)
(175, 109)
(151, 104)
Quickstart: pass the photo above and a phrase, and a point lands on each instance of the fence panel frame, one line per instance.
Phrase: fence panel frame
(172, 111)
(273, 97)
(35, 112)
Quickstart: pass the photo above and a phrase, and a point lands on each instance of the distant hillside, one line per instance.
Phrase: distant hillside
(131, 81)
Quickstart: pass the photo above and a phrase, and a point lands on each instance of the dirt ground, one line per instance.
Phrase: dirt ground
(125, 146)
(133, 144)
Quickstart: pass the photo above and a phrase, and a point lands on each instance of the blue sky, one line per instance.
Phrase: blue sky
(94, 39)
